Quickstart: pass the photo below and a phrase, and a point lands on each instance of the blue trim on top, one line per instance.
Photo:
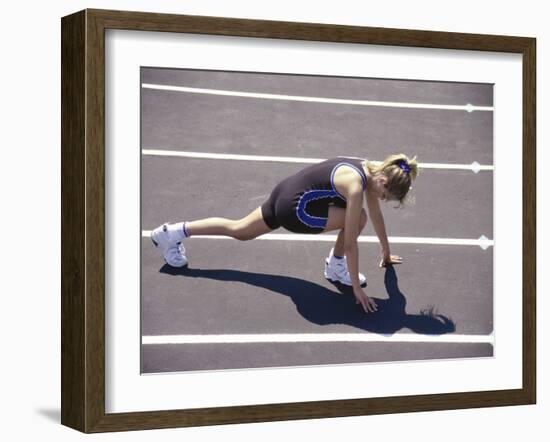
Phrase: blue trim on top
(362, 174)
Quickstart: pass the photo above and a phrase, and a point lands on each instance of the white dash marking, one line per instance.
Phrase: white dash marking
(314, 337)
(482, 242)
(475, 166)
(227, 93)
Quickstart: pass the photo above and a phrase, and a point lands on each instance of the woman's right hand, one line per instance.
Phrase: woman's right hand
(367, 303)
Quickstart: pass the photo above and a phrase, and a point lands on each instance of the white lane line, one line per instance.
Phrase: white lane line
(475, 166)
(314, 337)
(482, 242)
(226, 156)
(467, 107)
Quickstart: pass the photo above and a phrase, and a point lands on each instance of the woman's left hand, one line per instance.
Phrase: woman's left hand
(390, 260)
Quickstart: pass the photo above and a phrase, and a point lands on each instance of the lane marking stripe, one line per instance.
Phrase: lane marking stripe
(484, 243)
(280, 159)
(313, 337)
(194, 90)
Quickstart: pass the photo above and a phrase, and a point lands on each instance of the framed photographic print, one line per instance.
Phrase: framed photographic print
(271, 220)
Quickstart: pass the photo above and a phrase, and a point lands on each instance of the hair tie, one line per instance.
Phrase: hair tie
(404, 166)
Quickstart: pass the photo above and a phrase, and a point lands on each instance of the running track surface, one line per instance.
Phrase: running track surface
(265, 303)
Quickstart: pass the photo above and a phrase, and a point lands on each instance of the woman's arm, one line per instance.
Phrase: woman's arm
(377, 219)
(351, 232)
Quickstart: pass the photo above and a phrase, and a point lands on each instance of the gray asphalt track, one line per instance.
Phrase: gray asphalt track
(175, 121)
(319, 86)
(238, 287)
(173, 358)
(272, 287)
(459, 204)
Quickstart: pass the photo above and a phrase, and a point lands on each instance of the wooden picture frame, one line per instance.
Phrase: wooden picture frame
(83, 220)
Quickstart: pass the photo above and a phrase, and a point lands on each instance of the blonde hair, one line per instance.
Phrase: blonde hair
(400, 172)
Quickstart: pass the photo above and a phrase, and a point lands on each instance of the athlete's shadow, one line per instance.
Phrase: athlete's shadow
(322, 306)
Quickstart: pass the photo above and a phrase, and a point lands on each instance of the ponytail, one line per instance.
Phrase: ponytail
(400, 171)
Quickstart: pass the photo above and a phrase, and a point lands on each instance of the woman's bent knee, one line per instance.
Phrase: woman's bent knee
(250, 226)
(242, 231)
(243, 236)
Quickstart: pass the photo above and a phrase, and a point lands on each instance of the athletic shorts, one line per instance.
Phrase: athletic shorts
(284, 209)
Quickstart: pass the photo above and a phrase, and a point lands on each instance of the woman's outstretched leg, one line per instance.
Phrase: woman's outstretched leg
(168, 237)
(249, 227)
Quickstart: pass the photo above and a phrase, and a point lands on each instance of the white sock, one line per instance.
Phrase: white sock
(179, 229)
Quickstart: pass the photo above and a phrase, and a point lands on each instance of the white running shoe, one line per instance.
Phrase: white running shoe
(168, 241)
(336, 270)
